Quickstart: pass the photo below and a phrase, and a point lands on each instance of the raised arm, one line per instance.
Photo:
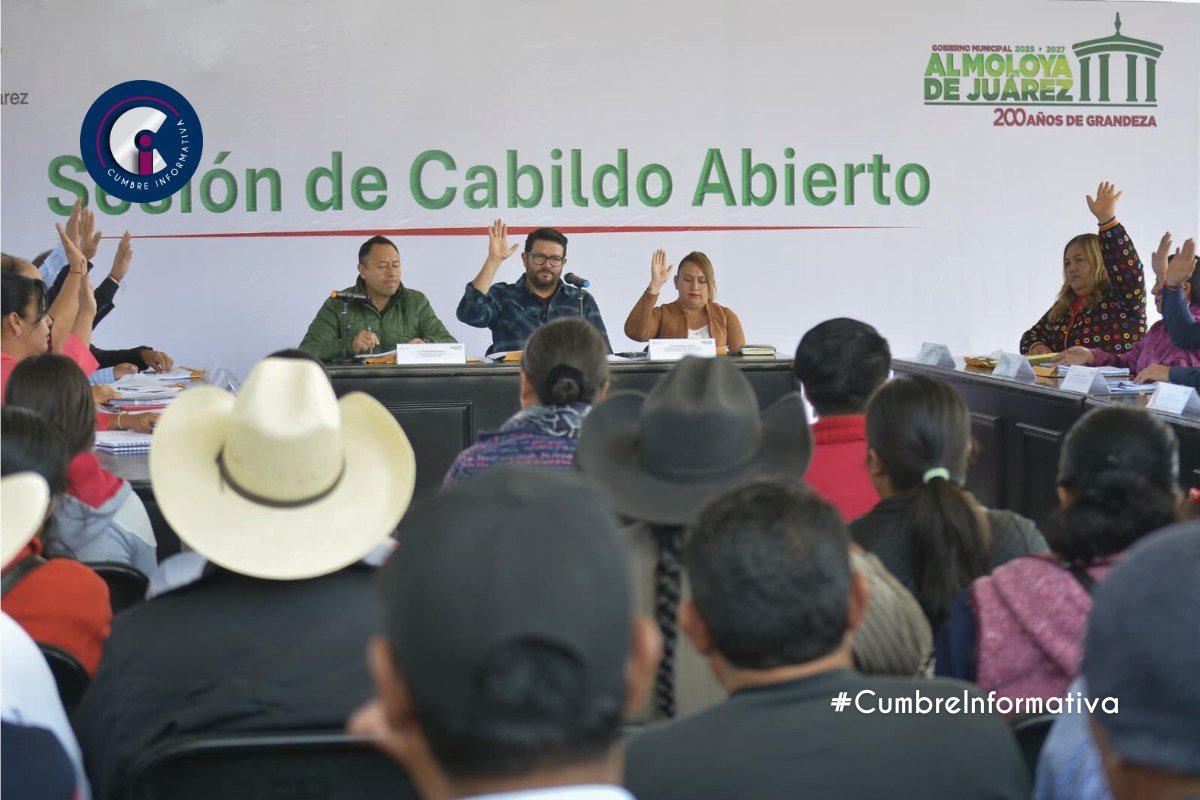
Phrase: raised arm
(645, 319)
(498, 252)
(1121, 259)
(1182, 327)
(65, 308)
(477, 308)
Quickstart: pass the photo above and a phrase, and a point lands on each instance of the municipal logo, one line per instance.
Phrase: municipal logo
(1117, 71)
(141, 141)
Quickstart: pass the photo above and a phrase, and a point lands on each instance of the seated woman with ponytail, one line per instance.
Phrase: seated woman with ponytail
(98, 518)
(1019, 632)
(564, 370)
(930, 533)
(58, 601)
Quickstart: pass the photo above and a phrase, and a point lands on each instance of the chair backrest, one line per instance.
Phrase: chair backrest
(126, 584)
(69, 674)
(1031, 734)
(288, 766)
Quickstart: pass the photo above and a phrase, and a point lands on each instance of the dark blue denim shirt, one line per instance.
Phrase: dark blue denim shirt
(1184, 330)
(513, 312)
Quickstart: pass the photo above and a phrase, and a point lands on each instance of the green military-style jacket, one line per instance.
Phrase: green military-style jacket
(406, 317)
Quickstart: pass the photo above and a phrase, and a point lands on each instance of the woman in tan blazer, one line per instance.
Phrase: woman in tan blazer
(695, 315)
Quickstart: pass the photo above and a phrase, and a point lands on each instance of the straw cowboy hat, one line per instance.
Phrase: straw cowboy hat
(284, 481)
(24, 498)
(662, 456)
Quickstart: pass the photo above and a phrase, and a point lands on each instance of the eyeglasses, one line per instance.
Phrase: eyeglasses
(541, 259)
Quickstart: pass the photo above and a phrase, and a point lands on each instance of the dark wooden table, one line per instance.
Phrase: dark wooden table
(444, 408)
(1019, 428)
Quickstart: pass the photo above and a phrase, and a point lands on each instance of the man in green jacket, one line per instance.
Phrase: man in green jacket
(391, 315)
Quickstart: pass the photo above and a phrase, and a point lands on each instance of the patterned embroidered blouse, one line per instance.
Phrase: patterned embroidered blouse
(1118, 320)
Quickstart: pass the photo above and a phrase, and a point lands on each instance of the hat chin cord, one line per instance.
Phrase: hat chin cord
(269, 502)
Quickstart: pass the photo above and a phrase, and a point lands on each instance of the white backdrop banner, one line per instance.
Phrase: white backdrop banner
(918, 166)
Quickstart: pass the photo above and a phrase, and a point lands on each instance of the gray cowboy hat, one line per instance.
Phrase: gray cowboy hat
(662, 456)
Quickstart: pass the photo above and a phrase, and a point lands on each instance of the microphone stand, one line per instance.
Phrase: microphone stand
(345, 324)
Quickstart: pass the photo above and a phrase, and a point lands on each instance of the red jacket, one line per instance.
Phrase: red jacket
(838, 469)
(62, 603)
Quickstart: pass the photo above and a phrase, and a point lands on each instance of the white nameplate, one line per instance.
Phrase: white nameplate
(935, 355)
(429, 353)
(1014, 365)
(1084, 380)
(1174, 399)
(675, 349)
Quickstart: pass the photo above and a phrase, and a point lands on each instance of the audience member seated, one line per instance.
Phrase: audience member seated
(1019, 632)
(662, 456)
(1154, 356)
(1102, 302)
(694, 315)
(58, 601)
(564, 370)
(37, 736)
(775, 610)
(1143, 648)
(39, 757)
(511, 645)
(928, 532)
(99, 518)
(286, 496)
(840, 363)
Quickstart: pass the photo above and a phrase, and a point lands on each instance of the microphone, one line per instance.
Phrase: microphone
(575, 280)
(349, 296)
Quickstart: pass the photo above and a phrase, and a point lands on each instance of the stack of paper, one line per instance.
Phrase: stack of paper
(123, 442)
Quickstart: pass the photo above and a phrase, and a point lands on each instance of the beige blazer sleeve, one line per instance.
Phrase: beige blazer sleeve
(735, 337)
(644, 320)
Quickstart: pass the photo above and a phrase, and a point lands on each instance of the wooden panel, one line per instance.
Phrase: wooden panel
(438, 433)
(1036, 471)
(985, 478)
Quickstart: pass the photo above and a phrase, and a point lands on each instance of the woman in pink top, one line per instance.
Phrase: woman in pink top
(28, 327)
(1151, 358)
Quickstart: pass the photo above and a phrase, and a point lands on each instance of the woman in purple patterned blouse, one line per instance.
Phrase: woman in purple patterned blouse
(564, 370)
(1102, 303)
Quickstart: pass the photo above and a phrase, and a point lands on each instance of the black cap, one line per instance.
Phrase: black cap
(516, 556)
(1143, 648)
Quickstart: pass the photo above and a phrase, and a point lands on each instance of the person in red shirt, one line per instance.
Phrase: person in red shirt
(59, 602)
(840, 363)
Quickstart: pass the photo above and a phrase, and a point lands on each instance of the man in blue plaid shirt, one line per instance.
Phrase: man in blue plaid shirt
(515, 310)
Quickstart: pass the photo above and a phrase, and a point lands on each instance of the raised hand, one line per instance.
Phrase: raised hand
(1104, 204)
(123, 258)
(73, 220)
(660, 272)
(75, 258)
(1159, 260)
(498, 248)
(89, 237)
(1182, 266)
